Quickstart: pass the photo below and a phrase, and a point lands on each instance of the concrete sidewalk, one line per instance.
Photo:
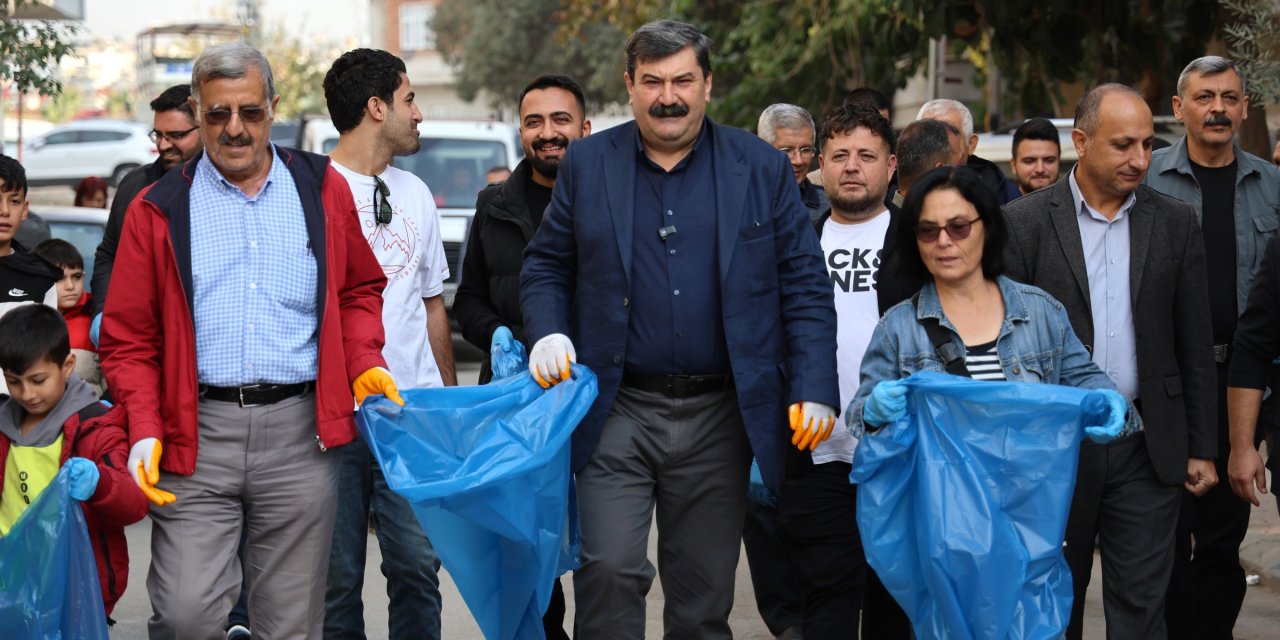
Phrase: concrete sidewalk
(1260, 551)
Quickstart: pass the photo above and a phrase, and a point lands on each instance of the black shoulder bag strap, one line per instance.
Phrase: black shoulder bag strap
(952, 358)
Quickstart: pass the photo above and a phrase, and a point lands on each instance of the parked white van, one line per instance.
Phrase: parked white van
(453, 161)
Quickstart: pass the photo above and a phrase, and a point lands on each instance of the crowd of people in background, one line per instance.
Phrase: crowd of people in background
(749, 318)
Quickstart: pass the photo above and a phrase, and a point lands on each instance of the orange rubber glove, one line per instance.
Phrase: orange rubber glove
(144, 464)
(374, 381)
(811, 424)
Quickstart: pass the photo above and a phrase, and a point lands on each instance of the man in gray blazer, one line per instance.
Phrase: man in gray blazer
(1128, 263)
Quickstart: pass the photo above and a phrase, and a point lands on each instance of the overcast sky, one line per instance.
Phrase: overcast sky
(334, 20)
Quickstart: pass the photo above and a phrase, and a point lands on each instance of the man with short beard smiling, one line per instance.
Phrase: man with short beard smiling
(174, 134)
(1234, 194)
(817, 514)
(553, 113)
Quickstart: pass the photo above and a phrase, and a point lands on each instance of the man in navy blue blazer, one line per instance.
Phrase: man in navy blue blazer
(677, 257)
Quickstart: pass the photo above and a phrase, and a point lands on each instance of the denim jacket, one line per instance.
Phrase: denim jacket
(1036, 344)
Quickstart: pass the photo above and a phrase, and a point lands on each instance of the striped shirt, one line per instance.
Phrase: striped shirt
(983, 362)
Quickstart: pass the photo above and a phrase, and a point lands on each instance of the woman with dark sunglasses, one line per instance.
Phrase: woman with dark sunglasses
(983, 325)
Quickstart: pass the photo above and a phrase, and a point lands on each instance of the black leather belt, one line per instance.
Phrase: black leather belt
(255, 395)
(1221, 353)
(678, 386)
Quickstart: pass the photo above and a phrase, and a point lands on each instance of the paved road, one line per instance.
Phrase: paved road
(1259, 620)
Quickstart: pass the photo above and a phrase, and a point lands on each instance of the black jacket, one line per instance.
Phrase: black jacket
(891, 286)
(489, 294)
(132, 184)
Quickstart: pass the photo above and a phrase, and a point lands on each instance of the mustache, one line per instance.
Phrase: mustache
(1217, 120)
(243, 139)
(558, 141)
(676, 110)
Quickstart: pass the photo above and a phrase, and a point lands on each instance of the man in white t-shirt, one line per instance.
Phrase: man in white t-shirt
(817, 504)
(372, 106)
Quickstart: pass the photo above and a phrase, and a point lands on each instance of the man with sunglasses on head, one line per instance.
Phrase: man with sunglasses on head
(372, 106)
(250, 325)
(174, 134)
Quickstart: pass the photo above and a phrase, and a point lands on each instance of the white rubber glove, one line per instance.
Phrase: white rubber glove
(549, 361)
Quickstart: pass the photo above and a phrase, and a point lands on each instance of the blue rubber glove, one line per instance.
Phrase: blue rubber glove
(1112, 420)
(94, 328)
(757, 491)
(84, 478)
(506, 354)
(887, 403)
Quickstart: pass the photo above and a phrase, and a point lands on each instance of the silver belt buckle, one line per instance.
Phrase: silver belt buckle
(1221, 352)
(240, 390)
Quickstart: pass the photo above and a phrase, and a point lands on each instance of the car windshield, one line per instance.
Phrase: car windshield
(454, 169)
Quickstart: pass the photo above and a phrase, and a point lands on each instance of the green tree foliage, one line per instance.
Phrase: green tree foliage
(298, 68)
(30, 49)
(810, 52)
(497, 46)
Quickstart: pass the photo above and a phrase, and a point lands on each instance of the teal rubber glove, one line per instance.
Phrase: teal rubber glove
(757, 491)
(506, 354)
(1112, 420)
(95, 328)
(887, 403)
(83, 474)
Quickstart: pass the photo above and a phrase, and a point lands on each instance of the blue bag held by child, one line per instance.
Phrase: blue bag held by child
(963, 503)
(48, 577)
(486, 470)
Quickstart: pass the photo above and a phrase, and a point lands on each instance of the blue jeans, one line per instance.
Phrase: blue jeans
(409, 562)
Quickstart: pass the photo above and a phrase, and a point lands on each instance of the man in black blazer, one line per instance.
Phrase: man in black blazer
(1128, 263)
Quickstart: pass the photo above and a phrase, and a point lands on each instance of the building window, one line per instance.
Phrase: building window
(415, 27)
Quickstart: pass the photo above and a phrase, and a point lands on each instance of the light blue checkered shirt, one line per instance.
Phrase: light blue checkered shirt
(254, 281)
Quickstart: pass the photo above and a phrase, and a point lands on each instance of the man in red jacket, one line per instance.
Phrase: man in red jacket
(252, 312)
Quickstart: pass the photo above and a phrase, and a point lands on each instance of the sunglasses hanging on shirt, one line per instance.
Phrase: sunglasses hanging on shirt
(381, 212)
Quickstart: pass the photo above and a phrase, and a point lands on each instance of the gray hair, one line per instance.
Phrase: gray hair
(1091, 101)
(664, 38)
(782, 116)
(231, 60)
(1209, 66)
(933, 108)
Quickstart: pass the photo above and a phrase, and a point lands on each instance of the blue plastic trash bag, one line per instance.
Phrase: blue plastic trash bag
(486, 470)
(962, 505)
(48, 577)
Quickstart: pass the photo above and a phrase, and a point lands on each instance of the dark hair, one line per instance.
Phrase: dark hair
(846, 117)
(31, 333)
(60, 253)
(1089, 104)
(556, 81)
(356, 76)
(1036, 129)
(921, 145)
(971, 188)
(869, 96)
(174, 99)
(13, 176)
(88, 187)
(664, 38)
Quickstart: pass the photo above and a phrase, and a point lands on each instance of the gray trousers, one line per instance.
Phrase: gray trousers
(1121, 502)
(690, 458)
(259, 468)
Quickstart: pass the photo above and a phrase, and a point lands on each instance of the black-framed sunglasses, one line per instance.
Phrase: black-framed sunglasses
(956, 230)
(381, 212)
(171, 136)
(223, 116)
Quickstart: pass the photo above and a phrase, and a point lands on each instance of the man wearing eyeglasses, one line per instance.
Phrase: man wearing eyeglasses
(1128, 264)
(790, 130)
(174, 134)
(250, 325)
(372, 105)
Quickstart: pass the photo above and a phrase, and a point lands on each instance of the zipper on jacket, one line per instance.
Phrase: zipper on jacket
(106, 560)
(320, 443)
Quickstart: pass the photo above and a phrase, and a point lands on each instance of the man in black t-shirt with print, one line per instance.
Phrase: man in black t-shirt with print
(1235, 194)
